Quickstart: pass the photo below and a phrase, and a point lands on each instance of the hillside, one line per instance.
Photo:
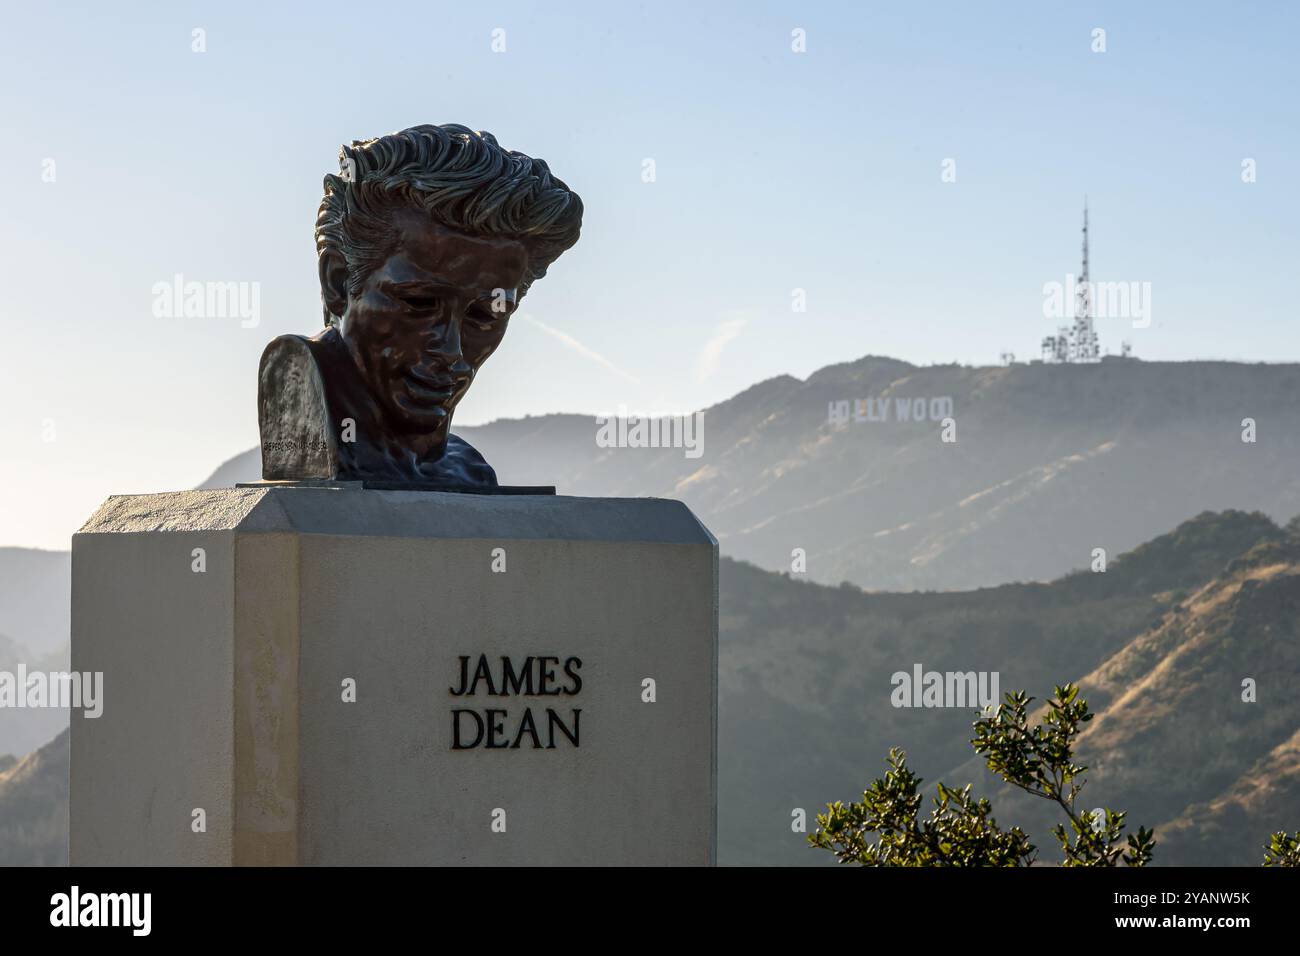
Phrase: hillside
(34, 807)
(805, 688)
(24, 729)
(35, 608)
(1233, 828)
(1174, 742)
(1050, 462)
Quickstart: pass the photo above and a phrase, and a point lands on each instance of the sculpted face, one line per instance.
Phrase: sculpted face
(428, 316)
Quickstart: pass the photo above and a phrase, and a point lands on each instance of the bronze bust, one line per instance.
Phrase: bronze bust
(426, 243)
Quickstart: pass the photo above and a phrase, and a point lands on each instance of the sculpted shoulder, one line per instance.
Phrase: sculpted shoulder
(293, 412)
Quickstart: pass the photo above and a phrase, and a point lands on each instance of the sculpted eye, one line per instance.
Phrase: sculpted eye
(422, 302)
(482, 317)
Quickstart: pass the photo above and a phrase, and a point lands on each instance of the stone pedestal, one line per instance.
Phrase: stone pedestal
(344, 676)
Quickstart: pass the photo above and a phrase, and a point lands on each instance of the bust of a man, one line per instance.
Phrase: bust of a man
(426, 241)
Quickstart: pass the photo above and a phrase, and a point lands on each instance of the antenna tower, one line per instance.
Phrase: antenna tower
(1084, 346)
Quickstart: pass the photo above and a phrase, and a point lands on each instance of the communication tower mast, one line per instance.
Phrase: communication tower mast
(1077, 342)
(1084, 346)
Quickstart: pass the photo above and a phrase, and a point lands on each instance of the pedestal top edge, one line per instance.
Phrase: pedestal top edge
(391, 513)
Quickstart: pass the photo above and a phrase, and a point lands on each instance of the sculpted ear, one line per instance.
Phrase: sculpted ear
(333, 283)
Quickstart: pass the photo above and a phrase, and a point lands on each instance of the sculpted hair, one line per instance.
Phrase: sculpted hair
(462, 178)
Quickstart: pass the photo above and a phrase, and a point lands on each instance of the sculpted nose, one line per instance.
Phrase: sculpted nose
(447, 352)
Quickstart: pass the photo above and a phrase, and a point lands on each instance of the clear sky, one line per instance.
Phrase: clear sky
(774, 170)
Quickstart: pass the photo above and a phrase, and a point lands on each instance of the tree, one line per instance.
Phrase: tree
(1283, 850)
(961, 831)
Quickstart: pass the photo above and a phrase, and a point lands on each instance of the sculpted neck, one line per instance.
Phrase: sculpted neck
(318, 420)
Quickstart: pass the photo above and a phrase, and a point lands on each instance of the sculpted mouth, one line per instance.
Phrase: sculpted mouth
(430, 391)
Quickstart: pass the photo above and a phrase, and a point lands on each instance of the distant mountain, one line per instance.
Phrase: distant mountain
(35, 629)
(25, 729)
(34, 807)
(1176, 741)
(1233, 828)
(35, 610)
(1049, 463)
(246, 466)
(1160, 643)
